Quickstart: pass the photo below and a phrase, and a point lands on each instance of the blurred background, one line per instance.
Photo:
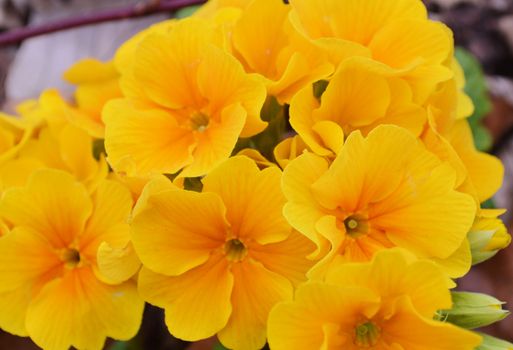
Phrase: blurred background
(483, 31)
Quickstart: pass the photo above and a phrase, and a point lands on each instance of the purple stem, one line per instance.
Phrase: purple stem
(139, 10)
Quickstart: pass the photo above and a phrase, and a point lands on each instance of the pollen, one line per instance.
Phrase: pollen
(366, 334)
(235, 250)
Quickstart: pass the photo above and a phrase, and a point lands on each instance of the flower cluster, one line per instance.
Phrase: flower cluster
(300, 174)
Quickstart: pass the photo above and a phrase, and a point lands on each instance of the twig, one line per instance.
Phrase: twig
(138, 10)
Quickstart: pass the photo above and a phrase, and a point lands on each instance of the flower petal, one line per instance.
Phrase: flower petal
(178, 230)
(151, 138)
(253, 199)
(197, 302)
(216, 142)
(89, 311)
(53, 203)
(255, 291)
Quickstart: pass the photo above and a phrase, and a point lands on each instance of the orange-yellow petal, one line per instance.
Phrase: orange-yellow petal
(255, 291)
(197, 302)
(89, 311)
(53, 203)
(150, 138)
(253, 199)
(185, 226)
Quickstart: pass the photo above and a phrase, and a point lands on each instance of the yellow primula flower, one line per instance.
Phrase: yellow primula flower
(97, 83)
(381, 191)
(388, 303)
(47, 138)
(345, 106)
(50, 285)
(189, 104)
(266, 43)
(217, 261)
(68, 148)
(396, 35)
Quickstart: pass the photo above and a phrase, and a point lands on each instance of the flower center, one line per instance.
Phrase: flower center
(235, 250)
(366, 334)
(356, 226)
(199, 121)
(71, 257)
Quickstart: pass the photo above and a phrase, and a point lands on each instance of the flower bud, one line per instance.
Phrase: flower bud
(473, 310)
(487, 236)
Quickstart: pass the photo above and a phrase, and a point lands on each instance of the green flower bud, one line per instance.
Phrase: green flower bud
(473, 310)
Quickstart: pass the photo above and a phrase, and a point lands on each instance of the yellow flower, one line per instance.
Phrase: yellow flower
(345, 106)
(382, 191)
(50, 286)
(46, 137)
(218, 261)
(68, 148)
(396, 34)
(97, 83)
(189, 103)
(266, 43)
(386, 304)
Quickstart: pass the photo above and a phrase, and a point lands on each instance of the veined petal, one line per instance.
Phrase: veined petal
(345, 100)
(302, 323)
(255, 291)
(352, 19)
(302, 210)
(53, 203)
(14, 306)
(109, 221)
(185, 226)
(485, 171)
(253, 199)
(217, 141)
(222, 79)
(118, 264)
(89, 312)
(26, 257)
(407, 328)
(450, 216)
(151, 138)
(197, 303)
(396, 272)
(287, 258)
(166, 64)
(426, 40)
